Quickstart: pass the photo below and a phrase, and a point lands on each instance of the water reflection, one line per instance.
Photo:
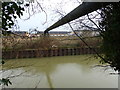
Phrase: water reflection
(59, 72)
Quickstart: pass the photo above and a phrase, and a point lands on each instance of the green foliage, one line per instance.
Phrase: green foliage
(111, 35)
(5, 81)
(10, 11)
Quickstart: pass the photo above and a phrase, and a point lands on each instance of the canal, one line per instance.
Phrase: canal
(78, 71)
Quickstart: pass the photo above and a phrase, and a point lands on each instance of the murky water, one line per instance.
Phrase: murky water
(59, 72)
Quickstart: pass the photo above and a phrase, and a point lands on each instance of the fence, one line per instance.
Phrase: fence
(47, 53)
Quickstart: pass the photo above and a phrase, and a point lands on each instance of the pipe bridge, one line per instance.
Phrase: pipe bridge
(81, 10)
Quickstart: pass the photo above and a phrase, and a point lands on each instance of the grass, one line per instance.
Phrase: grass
(19, 43)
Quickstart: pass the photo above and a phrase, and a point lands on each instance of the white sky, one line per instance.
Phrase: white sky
(38, 20)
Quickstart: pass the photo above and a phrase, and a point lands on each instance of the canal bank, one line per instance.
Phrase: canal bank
(14, 54)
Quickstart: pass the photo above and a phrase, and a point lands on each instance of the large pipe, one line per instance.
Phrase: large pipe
(81, 10)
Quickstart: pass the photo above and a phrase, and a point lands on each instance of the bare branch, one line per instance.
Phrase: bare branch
(31, 9)
(93, 22)
(79, 36)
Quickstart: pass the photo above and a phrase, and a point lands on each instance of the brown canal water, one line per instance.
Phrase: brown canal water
(59, 72)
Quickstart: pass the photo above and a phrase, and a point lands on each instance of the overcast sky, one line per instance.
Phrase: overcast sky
(38, 20)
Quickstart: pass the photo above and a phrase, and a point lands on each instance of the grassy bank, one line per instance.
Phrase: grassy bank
(26, 43)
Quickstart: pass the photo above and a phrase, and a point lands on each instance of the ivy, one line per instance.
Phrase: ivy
(5, 81)
(10, 11)
(111, 35)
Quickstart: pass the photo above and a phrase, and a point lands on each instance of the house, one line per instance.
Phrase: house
(59, 33)
(55, 33)
(22, 33)
(85, 33)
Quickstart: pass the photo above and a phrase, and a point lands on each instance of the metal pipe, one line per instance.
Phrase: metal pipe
(81, 10)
